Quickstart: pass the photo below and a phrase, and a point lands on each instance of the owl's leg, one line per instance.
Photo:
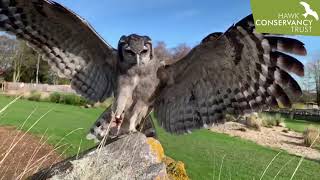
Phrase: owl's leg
(124, 97)
(122, 100)
(140, 110)
(102, 126)
(106, 125)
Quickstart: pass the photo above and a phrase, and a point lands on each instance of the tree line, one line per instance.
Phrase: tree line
(20, 63)
(311, 81)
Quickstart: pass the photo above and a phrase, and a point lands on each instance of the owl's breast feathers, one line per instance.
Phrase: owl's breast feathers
(147, 81)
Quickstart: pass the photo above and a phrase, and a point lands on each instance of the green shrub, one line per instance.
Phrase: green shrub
(74, 99)
(278, 116)
(268, 121)
(54, 97)
(278, 119)
(67, 98)
(83, 101)
(253, 122)
(45, 99)
(61, 98)
(271, 121)
(230, 118)
(34, 96)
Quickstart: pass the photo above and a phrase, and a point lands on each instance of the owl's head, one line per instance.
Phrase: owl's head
(135, 50)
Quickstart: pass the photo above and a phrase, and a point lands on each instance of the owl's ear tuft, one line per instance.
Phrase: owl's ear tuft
(149, 41)
(122, 41)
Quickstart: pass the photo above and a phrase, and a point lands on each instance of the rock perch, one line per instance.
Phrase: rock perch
(129, 157)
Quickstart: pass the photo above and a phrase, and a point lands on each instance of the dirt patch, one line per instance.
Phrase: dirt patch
(291, 142)
(30, 154)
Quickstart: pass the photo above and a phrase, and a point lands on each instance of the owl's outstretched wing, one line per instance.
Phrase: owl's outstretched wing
(232, 72)
(69, 44)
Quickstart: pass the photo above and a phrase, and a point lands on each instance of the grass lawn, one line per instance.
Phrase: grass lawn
(59, 122)
(201, 151)
(300, 125)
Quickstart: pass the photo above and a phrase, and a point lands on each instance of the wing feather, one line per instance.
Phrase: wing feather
(70, 45)
(235, 72)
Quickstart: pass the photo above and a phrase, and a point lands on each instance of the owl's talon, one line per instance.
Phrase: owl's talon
(132, 131)
(118, 120)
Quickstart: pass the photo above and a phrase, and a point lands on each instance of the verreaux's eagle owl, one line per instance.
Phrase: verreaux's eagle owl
(232, 72)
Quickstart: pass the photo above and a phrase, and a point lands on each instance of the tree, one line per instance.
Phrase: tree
(162, 52)
(38, 66)
(17, 63)
(312, 80)
(180, 51)
(24, 64)
(8, 49)
(170, 55)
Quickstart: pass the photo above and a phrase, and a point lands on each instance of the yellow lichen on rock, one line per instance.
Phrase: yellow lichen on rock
(156, 147)
(175, 169)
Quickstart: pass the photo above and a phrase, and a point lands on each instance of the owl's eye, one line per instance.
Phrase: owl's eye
(131, 53)
(144, 51)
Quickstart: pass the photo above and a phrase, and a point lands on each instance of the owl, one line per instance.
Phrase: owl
(234, 72)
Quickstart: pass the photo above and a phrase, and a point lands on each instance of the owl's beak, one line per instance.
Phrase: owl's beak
(138, 59)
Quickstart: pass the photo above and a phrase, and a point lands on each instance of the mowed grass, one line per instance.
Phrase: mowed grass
(59, 122)
(300, 125)
(208, 155)
(202, 151)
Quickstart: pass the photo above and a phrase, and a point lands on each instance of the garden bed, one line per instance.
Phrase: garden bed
(29, 154)
(272, 137)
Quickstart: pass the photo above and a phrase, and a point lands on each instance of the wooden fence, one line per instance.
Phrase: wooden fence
(302, 114)
(27, 87)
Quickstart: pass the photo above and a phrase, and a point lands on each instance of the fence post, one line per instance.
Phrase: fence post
(292, 114)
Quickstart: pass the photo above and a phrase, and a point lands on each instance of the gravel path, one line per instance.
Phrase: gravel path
(291, 142)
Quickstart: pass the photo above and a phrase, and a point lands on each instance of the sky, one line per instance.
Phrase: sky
(171, 21)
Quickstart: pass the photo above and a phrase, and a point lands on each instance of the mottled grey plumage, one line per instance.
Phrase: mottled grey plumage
(235, 72)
